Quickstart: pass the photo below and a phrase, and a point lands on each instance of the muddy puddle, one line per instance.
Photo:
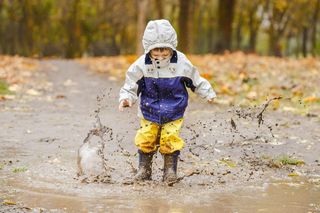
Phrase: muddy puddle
(277, 196)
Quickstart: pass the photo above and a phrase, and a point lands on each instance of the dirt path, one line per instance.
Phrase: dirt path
(232, 162)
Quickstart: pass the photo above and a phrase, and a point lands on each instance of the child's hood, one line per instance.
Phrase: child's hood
(159, 33)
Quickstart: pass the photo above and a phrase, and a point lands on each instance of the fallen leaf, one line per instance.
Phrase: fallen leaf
(9, 202)
(311, 99)
(207, 75)
(293, 175)
(226, 90)
(275, 104)
(60, 96)
(228, 162)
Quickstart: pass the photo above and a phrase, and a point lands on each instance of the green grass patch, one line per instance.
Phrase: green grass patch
(4, 88)
(19, 169)
(284, 160)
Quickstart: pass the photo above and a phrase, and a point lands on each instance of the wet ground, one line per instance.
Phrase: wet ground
(232, 162)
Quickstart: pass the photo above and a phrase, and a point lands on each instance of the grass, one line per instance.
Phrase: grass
(19, 169)
(4, 88)
(284, 160)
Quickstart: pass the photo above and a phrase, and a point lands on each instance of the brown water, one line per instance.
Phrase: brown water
(279, 196)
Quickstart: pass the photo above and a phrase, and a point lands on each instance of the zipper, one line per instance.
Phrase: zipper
(159, 97)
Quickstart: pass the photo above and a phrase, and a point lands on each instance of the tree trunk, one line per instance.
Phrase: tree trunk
(275, 47)
(239, 33)
(200, 42)
(278, 23)
(184, 30)
(288, 46)
(159, 9)
(304, 41)
(73, 31)
(172, 13)
(191, 21)
(11, 36)
(314, 28)
(252, 40)
(225, 19)
(210, 33)
(141, 24)
(253, 28)
(26, 25)
(1, 29)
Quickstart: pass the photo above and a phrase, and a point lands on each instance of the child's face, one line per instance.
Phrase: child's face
(161, 53)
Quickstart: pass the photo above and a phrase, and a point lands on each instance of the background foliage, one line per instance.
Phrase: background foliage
(75, 28)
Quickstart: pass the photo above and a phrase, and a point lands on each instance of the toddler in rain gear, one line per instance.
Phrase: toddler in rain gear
(159, 79)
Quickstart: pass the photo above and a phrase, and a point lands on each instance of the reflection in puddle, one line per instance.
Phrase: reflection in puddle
(275, 197)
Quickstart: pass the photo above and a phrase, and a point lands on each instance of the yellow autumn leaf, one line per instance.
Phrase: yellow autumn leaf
(226, 90)
(228, 162)
(9, 202)
(311, 99)
(207, 75)
(293, 175)
(297, 93)
(275, 104)
(131, 58)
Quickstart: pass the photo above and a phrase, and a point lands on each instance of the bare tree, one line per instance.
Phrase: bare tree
(255, 13)
(184, 27)
(225, 19)
(159, 8)
(315, 20)
(141, 23)
(279, 18)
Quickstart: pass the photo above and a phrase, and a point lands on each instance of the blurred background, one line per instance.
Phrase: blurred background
(76, 28)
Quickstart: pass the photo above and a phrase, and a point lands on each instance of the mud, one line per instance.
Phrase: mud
(227, 162)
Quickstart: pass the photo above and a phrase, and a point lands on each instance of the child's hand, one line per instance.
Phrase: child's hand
(210, 101)
(124, 103)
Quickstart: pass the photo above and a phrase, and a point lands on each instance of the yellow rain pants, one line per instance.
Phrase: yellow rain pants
(151, 135)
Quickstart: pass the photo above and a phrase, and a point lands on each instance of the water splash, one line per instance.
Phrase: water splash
(91, 160)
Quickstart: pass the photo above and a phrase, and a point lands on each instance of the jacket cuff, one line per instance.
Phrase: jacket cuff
(130, 99)
(211, 95)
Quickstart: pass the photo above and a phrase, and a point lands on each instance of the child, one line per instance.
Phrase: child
(159, 78)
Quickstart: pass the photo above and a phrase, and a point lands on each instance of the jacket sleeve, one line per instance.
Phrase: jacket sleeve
(130, 87)
(202, 87)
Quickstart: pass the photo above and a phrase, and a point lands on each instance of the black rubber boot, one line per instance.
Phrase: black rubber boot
(145, 166)
(170, 167)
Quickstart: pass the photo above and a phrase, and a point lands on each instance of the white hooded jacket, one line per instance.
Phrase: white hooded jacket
(162, 86)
